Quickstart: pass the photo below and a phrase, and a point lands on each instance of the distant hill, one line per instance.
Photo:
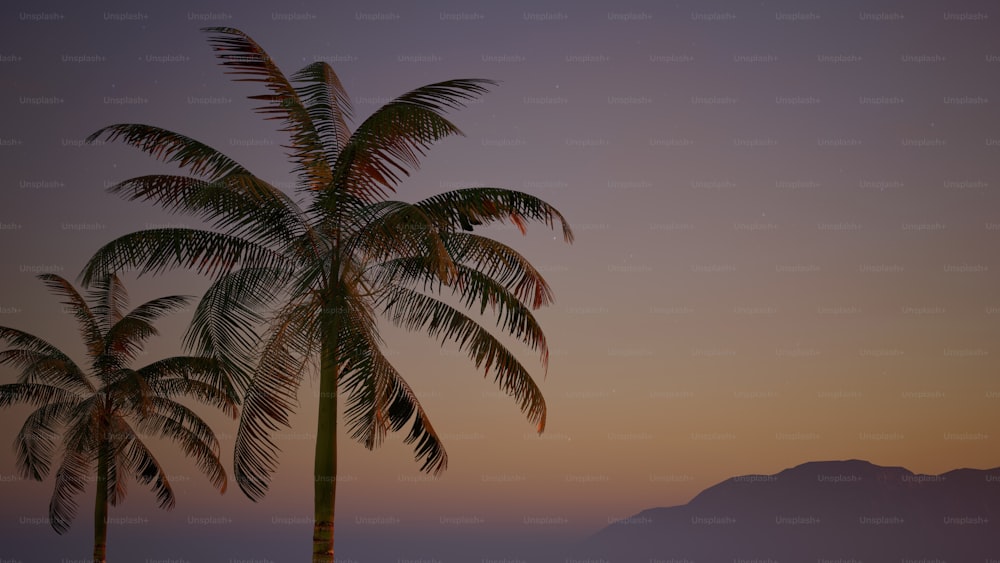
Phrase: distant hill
(818, 512)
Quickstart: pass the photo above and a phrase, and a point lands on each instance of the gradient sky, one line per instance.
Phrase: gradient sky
(787, 227)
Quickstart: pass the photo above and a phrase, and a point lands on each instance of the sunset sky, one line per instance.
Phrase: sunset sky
(786, 215)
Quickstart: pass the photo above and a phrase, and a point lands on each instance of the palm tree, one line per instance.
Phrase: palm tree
(317, 268)
(103, 410)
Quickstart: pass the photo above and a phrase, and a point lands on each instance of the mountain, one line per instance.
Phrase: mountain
(824, 512)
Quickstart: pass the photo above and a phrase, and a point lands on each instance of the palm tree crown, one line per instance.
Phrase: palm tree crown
(104, 410)
(317, 269)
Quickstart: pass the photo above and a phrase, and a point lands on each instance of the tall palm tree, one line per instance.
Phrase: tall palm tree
(104, 410)
(318, 267)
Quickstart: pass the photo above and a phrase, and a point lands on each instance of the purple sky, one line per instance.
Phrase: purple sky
(786, 216)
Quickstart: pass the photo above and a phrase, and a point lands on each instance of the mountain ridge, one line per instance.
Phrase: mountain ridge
(837, 510)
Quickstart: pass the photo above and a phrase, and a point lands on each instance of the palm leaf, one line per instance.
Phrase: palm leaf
(167, 416)
(71, 479)
(174, 421)
(201, 378)
(501, 263)
(391, 228)
(447, 95)
(52, 369)
(35, 442)
(391, 141)
(148, 471)
(272, 395)
(379, 400)
(242, 56)
(155, 309)
(28, 341)
(223, 326)
(89, 327)
(328, 105)
(157, 250)
(240, 203)
(385, 148)
(118, 470)
(36, 394)
(474, 288)
(128, 392)
(111, 300)
(170, 147)
(473, 206)
(125, 342)
(415, 311)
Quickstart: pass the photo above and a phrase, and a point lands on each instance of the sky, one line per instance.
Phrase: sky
(786, 219)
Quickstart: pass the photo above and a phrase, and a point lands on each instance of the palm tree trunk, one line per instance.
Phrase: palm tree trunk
(101, 507)
(325, 468)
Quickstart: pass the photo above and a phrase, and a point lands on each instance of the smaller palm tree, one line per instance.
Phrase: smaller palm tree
(102, 412)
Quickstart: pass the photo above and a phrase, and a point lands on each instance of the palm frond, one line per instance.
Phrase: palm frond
(110, 301)
(117, 433)
(328, 105)
(201, 378)
(501, 263)
(170, 147)
(125, 339)
(242, 56)
(52, 369)
(273, 394)
(89, 326)
(379, 400)
(390, 142)
(128, 392)
(125, 342)
(367, 389)
(167, 416)
(28, 341)
(385, 148)
(157, 250)
(390, 229)
(147, 470)
(35, 394)
(239, 203)
(71, 479)
(172, 420)
(82, 431)
(474, 288)
(415, 311)
(481, 205)
(35, 442)
(225, 319)
(447, 95)
(155, 309)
